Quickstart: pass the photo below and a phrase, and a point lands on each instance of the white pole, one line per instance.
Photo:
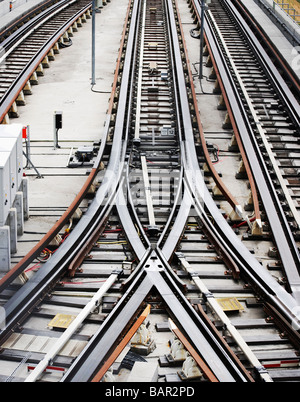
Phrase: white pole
(35, 374)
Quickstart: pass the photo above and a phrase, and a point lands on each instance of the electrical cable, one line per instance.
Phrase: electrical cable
(64, 45)
(200, 80)
(193, 35)
(99, 92)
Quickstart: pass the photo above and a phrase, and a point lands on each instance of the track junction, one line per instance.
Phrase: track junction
(154, 281)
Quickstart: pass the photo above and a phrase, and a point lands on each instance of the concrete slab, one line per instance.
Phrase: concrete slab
(144, 372)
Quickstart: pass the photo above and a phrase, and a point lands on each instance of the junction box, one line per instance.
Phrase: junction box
(13, 192)
(5, 199)
(58, 120)
(57, 125)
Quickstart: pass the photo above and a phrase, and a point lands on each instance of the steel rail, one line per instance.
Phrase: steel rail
(261, 131)
(287, 71)
(26, 297)
(203, 200)
(153, 272)
(230, 112)
(14, 25)
(39, 247)
(220, 229)
(152, 276)
(281, 87)
(63, 339)
(280, 228)
(215, 306)
(219, 182)
(169, 239)
(124, 210)
(261, 280)
(129, 218)
(187, 200)
(98, 377)
(17, 37)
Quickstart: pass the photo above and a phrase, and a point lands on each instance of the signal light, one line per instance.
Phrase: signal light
(24, 132)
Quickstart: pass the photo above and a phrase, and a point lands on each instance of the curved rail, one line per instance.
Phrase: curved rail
(286, 70)
(277, 219)
(90, 224)
(153, 272)
(14, 25)
(11, 95)
(196, 6)
(104, 341)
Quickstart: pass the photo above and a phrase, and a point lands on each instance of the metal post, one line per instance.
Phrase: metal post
(93, 41)
(36, 171)
(152, 228)
(201, 39)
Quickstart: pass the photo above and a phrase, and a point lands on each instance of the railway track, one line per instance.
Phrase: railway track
(152, 281)
(29, 49)
(272, 130)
